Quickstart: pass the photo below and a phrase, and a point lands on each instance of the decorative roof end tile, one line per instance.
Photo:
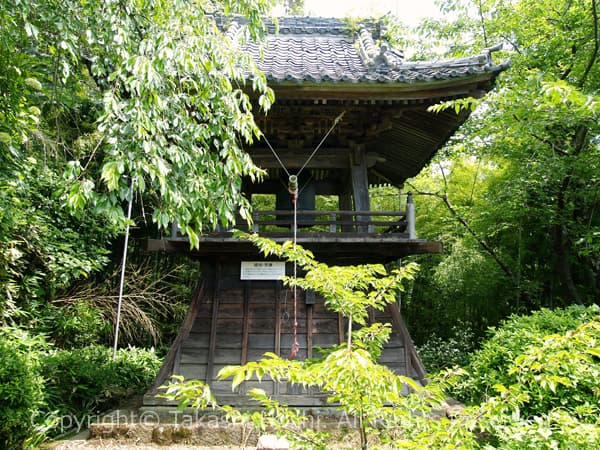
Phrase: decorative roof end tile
(367, 47)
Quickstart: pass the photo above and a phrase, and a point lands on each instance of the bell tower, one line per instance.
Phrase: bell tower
(349, 114)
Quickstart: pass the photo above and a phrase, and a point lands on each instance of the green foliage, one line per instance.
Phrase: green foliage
(550, 400)
(175, 111)
(491, 365)
(465, 283)
(95, 94)
(453, 349)
(21, 386)
(563, 372)
(348, 290)
(84, 381)
(462, 104)
(38, 384)
(43, 248)
(554, 401)
(156, 293)
(514, 195)
(75, 325)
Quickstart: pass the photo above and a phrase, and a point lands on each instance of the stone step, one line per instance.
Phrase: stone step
(168, 426)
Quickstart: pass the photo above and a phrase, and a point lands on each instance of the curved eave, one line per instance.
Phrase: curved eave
(409, 136)
(472, 85)
(411, 143)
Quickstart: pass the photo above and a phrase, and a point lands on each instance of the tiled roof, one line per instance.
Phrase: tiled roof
(320, 68)
(317, 50)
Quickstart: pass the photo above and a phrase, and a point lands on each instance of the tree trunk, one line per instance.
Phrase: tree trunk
(563, 266)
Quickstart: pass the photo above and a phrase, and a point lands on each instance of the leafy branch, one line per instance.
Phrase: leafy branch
(482, 243)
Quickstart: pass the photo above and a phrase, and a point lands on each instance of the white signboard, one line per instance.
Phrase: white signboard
(262, 270)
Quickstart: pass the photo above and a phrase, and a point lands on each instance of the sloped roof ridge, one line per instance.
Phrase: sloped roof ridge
(311, 25)
(483, 58)
(303, 24)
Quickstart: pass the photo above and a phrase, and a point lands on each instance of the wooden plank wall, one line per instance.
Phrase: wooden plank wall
(238, 321)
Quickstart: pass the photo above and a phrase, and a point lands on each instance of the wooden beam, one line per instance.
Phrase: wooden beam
(345, 202)
(277, 337)
(213, 325)
(309, 330)
(177, 361)
(277, 343)
(326, 158)
(271, 186)
(246, 324)
(371, 312)
(382, 91)
(341, 329)
(413, 362)
(170, 362)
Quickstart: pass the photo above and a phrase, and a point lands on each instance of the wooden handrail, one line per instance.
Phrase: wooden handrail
(361, 220)
(287, 212)
(336, 221)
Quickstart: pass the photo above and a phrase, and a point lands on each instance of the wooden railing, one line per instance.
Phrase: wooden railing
(332, 221)
(329, 221)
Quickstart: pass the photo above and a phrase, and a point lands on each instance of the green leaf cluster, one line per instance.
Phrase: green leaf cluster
(348, 290)
(21, 386)
(496, 361)
(43, 247)
(82, 381)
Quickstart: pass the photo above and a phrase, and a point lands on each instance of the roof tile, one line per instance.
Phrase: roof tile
(316, 50)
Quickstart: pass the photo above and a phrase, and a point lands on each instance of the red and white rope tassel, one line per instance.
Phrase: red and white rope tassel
(293, 190)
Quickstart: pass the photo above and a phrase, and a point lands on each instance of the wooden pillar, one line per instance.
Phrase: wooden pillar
(371, 312)
(360, 187)
(345, 204)
(410, 217)
(277, 337)
(341, 329)
(171, 363)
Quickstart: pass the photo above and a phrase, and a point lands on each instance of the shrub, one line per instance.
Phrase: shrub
(490, 365)
(87, 380)
(154, 302)
(554, 402)
(439, 353)
(75, 325)
(21, 386)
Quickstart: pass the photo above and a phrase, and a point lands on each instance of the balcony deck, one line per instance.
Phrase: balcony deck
(350, 237)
